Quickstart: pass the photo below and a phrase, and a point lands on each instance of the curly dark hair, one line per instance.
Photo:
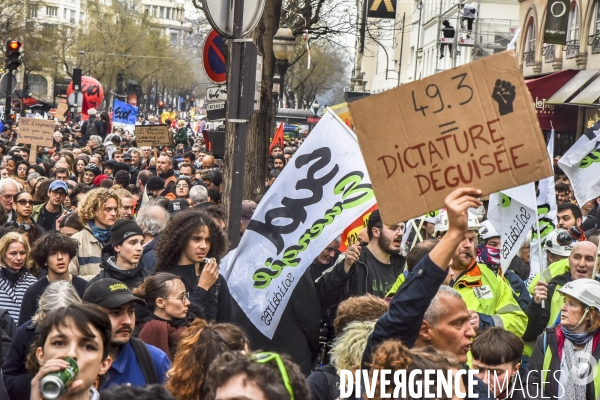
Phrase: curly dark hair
(177, 233)
(50, 244)
(266, 376)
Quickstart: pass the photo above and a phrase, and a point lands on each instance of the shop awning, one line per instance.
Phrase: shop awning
(571, 88)
(559, 117)
(589, 95)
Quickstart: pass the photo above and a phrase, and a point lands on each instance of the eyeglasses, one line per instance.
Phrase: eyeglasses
(397, 228)
(185, 296)
(22, 169)
(182, 186)
(8, 196)
(25, 227)
(263, 358)
(24, 202)
(58, 193)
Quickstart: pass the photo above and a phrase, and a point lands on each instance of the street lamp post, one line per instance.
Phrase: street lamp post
(275, 94)
(315, 107)
(284, 45)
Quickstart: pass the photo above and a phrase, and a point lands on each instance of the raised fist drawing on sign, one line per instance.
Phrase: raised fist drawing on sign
(504, 94)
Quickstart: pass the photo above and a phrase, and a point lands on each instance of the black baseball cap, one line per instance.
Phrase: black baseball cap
(109, 293)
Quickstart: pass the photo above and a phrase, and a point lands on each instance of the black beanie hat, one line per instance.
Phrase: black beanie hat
(121, 166)
(123, 229)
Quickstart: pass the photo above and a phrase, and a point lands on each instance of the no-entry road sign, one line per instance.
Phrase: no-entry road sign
(214, 58)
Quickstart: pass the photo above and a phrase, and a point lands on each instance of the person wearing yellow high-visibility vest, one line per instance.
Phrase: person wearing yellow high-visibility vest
(564, 363)
(581, 265)
(488, 296)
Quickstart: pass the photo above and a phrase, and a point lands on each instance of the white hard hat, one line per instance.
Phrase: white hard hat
(487, 231)
(441, 224)
(559, 242)
(585, 290)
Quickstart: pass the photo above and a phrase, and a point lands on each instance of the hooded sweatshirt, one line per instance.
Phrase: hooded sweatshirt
(132, 278)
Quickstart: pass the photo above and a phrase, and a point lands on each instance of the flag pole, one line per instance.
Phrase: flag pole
(539, 243)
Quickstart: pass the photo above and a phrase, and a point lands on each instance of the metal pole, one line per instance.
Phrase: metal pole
(420, 6)
(54, 88)
(8, 103)
(401, 47)
(241, 129)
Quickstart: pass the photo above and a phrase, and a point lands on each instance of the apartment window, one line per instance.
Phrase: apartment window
(162, 12)
(174, 38)
(154, 11)
(147, 10)
(81, 17)
(572, 47)
(596, 18)
(65, 13)
(52, 11)
(168, 16)
(38, 84)
(530, 43)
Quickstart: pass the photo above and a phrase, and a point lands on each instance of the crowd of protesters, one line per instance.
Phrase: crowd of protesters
(110, 256)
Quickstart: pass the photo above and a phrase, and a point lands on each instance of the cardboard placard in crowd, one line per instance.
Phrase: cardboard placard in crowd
(152, 135)
(61, 110)
(474, 125)
(36, 132)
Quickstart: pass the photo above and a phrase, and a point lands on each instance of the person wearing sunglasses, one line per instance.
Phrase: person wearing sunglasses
(121, 256)
(165, 318)
(23, 207)
(260, 376)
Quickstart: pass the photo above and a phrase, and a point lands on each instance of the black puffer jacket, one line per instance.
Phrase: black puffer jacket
(132, 278)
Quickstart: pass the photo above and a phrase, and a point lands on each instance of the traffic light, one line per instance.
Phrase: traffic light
(191, 103)
(13, 54)
(161, 106)
(12, 119)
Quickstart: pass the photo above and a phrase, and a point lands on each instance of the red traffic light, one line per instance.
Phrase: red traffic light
(12, 117)
(161, 103)
(192, 99)
(14, 45)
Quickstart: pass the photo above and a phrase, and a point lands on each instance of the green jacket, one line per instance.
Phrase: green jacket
(556, 268)
(37, 211)
(181, 137)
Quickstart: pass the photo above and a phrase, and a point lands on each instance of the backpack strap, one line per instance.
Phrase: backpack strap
(333, 380)
(145, 360)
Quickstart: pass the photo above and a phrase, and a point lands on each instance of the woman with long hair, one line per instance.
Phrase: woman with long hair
(40, 191)
(82, 162)
(15, 279)
(191, 246)
(198, 346)
(165, 317)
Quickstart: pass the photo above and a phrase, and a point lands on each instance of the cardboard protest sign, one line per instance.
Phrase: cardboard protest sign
(474, 125)
(152, 135)
(61, 110)
(36, 132)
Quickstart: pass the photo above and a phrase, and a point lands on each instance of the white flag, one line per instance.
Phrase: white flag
(546, 216)
(321, 191)
(512, 213)
(581, 163)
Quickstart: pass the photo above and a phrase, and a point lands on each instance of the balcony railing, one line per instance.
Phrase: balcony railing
(571, 48)
(529, 58)
(548, 53)
(594, 42)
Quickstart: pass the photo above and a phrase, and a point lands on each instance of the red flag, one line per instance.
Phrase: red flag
(207, 142)
(278, 139)
(351, 232)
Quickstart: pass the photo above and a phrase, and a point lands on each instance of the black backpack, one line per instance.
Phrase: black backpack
(145, 360)
(91, 128)
(333, 381)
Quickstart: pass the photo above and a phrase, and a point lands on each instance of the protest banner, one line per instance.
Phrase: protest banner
(581, 163)
(350, 234)
(321, 191)
(546, 218)
(474, 125)
(512, 212)
(124, 113)
(152, 135)
(36, 132)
